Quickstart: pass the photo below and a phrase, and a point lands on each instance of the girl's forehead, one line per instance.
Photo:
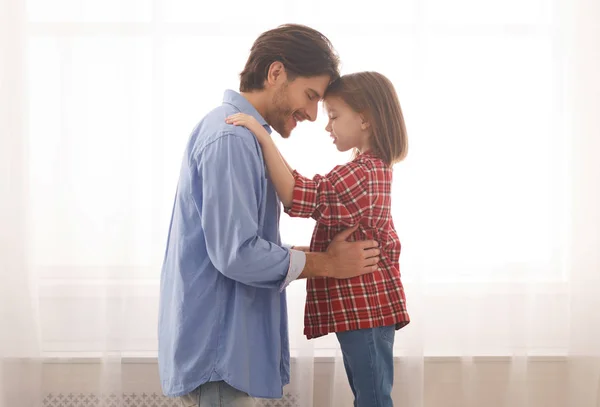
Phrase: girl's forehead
(332, 102)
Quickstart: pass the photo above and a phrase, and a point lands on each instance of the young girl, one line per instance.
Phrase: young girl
(364, 312)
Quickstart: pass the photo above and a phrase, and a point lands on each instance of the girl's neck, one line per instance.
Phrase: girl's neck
(364, 149)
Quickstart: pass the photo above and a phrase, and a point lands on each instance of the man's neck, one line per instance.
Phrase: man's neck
(258, 100)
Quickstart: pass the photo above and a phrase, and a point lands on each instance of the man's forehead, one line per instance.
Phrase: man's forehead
(317, 84)
(316, 93)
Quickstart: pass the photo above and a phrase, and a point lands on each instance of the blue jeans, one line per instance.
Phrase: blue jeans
(369, 362)
(217, 394)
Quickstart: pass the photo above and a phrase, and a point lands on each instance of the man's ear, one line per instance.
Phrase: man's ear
(276, 73)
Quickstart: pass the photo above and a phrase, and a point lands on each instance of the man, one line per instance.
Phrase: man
(223, 336)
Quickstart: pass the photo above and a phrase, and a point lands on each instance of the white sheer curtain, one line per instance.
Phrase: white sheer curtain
(496, 204)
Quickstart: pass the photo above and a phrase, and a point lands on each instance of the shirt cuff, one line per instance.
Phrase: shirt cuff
(297, 263)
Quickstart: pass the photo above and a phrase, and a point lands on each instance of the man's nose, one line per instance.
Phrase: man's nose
(312, 111)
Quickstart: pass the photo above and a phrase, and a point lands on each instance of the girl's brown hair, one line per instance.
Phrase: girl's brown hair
(373, 95)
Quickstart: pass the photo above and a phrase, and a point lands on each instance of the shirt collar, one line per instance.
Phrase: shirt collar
(243, 105)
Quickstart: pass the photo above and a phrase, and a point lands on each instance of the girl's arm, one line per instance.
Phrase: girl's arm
(287, 164)
(342, 197)
(338, 198)
(279, 171)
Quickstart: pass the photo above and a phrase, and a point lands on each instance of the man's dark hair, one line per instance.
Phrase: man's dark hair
(303, 51)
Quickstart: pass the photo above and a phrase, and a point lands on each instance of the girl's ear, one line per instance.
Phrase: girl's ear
(364, 123)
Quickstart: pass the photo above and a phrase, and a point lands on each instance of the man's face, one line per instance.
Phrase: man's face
(295, 101)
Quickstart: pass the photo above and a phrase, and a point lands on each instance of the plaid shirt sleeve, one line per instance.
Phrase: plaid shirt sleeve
(339, 197)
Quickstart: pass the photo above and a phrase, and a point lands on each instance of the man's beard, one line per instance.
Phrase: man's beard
(281, 112)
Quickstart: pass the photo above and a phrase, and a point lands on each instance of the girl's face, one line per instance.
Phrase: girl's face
(346, 127)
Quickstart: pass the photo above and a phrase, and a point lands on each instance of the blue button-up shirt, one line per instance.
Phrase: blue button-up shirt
(223, 312)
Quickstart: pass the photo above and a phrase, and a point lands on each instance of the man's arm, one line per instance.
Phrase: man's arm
(305, 249)
(229, 173)
(343, 259)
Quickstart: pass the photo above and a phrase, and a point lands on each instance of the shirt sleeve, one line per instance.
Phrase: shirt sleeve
(231, 176)
(340, 197)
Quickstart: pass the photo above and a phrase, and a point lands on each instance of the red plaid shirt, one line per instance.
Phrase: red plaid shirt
(355, 192)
